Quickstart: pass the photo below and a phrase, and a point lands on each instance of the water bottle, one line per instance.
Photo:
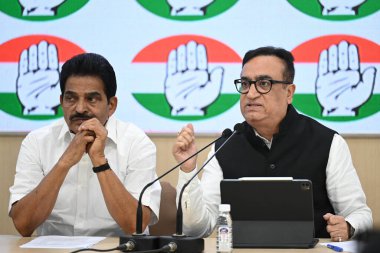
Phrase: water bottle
(224, 230)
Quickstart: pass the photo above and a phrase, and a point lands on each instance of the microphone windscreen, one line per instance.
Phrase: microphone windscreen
(239, 128)
(227, 133)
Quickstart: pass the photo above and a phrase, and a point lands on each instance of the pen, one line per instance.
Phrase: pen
(334, 248)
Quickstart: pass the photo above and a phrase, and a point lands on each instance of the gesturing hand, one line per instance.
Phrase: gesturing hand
(189, 87)
(95, 149)
(37, 82)
(341, 87)
(77, 147)
(184, 147)
(91, 138)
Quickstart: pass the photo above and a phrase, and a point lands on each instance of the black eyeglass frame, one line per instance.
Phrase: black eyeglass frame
(239, 81)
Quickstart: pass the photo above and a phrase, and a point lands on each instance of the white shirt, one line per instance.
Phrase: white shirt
(201, 198)
(80, 208)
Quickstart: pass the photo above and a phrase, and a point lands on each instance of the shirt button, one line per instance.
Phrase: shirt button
(272, 166)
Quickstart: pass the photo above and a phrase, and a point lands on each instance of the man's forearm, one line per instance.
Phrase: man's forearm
(33, 209)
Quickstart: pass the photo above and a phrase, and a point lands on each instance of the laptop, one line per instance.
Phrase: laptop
(270, 212)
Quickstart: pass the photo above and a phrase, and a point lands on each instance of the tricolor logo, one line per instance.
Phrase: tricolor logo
(29, 87)
(337, 78)
(187, 10)
(40, 10)
(337, 10)
(188, 77)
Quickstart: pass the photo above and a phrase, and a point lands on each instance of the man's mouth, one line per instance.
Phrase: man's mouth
(80, 118)
(253, 104)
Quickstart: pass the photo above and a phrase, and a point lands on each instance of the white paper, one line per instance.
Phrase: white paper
(347, 246)
(62, 242)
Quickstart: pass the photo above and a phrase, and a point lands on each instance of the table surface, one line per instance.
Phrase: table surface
(11, 243)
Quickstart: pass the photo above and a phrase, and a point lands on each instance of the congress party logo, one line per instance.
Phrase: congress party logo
(40, 10)
(29, 87)
(337, 9)
(186, 77)
(338, 78)
(187, 10)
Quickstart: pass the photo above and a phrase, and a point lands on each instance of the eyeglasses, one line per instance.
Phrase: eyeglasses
(262, 86)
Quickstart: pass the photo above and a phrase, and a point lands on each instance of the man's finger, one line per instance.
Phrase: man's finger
(191, 127)
(327, 216)
(332, 220)
(90, 133)
(186, 138)
(182, 145)
(332, 229)
(336, 219)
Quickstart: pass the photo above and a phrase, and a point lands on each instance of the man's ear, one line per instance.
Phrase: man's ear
(60, 99)
(291, 89)
(112, 105)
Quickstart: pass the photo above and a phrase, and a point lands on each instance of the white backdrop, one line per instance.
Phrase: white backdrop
(138, 36)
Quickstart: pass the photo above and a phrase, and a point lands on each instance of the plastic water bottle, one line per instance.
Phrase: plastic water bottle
(224, 229)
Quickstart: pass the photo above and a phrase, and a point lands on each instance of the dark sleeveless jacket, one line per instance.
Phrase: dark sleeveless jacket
(300, 150)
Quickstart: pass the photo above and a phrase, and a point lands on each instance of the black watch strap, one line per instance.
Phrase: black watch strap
(100, 168)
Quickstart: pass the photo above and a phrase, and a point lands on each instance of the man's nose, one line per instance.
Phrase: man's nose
(81, 106)
(252, 92)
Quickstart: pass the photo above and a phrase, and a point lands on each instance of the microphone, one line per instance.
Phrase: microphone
(185, 244)
(140, 241)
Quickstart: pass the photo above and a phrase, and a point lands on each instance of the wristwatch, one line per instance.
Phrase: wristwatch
(100, 168)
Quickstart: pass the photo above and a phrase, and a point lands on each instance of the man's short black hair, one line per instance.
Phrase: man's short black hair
(281, 53)
(90, 64)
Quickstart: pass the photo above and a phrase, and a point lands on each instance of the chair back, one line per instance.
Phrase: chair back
(166, 224)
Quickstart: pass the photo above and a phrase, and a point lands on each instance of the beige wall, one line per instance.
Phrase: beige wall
(365, 153)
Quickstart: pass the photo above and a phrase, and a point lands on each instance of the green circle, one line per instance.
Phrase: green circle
(13, 8)
(314, 8)
(162, 9)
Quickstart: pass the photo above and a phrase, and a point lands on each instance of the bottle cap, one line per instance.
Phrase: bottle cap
(224, 207)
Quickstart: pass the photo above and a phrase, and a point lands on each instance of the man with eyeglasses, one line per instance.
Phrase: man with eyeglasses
(276, 142)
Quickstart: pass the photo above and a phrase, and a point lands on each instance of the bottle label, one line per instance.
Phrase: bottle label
(224, 238)
(224, 233)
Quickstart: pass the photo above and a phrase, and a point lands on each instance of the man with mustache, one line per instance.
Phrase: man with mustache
(276, 142)
(83, 174)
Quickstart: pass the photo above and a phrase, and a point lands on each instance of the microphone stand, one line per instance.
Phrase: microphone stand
(187, 244)
(139, 240)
